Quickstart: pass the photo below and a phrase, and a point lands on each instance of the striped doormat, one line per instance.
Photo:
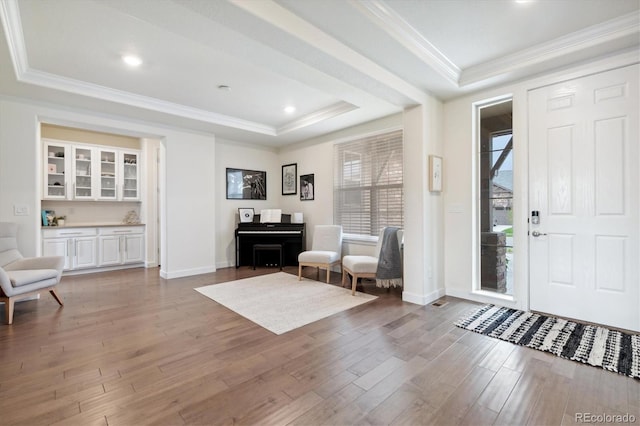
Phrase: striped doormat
(598, 346)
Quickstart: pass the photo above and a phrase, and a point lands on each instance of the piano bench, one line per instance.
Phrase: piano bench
(261, 247)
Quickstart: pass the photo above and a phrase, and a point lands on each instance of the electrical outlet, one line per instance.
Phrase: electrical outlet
(20, 210)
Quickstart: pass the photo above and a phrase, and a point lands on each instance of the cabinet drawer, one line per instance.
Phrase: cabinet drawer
(69, 232)
(122, 230)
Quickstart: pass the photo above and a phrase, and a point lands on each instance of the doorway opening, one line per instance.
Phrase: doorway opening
(496, 192)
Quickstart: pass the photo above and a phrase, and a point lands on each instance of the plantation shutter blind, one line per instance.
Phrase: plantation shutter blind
(368, 180)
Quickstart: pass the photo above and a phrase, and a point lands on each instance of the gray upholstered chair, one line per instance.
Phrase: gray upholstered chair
(22, 277)
(364, 266)
(326, 249)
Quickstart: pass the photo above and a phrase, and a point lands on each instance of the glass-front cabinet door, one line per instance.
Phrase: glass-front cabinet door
(108, 174)
(55, 177)
(130, 175)
(83, 173)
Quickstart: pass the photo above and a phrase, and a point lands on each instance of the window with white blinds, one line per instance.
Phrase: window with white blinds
(368, 184)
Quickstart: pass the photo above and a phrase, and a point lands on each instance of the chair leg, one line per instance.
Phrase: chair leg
(354, 283)
(56, 296)
(8, 310)
(328, 272)
(299, 271)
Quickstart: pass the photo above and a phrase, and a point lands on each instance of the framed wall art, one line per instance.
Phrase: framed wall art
(435, 173)
(246, 215)
(307, 189)
(290, 179)
(246, 184)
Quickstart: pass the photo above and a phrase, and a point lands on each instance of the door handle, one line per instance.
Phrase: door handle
(537, 234)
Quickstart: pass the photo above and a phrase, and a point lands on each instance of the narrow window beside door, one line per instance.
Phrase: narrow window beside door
(496, 198)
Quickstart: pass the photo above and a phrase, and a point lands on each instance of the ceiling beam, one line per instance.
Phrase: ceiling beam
(281, 18)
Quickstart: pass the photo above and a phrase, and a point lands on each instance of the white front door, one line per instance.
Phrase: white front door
(583, 180)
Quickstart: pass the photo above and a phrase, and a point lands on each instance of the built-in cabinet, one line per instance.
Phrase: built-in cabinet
(121, 245)
(95, 247)
(78, 246)
(89, 172)
(57, 167)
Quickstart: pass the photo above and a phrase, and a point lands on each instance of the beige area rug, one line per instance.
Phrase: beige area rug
(280, 303)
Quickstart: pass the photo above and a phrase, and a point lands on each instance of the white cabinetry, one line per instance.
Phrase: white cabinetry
(89, 172)
(84, 182)
(100, 247)
(57, 166)
(78, 246)
(109, 174)
(121, 245)
(130, 172)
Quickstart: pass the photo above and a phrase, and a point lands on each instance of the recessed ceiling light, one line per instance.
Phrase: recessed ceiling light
(132, 60)
(289, 109)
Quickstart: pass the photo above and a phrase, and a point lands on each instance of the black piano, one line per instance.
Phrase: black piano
(290, 235)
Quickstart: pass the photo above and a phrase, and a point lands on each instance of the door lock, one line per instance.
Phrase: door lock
(537, 234)
(535, 217)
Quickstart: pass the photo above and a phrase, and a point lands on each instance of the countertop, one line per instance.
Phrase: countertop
(93, 225)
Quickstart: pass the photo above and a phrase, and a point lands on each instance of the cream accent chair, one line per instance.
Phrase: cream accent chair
(24, 277)
(326, 249)
(364, 266)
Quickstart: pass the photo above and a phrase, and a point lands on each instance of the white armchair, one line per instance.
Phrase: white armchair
(24, 277)
(326, 249)
(365, 266)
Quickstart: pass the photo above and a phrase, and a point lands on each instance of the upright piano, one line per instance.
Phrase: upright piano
(290, 235)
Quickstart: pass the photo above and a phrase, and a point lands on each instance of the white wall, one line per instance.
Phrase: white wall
(188, 214)
(234, 155)
(459, 181)
(190, 205)
(20, 161)
(316, 160)
(150, 207)
(423, 241)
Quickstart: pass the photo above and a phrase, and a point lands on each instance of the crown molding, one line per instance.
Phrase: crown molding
(394, 25)
(317, 117)
(10, 17)
(614, 29)
(65, 84)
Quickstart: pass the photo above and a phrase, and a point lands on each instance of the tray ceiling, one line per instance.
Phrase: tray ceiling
(339, 63)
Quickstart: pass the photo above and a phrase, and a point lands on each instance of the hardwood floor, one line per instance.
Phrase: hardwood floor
(129, 348)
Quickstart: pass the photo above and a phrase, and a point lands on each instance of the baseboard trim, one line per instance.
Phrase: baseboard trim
(101, 269)
(423, 299)
(186, 272)
(484, 298)
(225, 264)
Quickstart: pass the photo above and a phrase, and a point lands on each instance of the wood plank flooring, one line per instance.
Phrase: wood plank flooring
(129, 348)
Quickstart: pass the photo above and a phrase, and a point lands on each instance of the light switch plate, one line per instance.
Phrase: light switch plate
(20, 210)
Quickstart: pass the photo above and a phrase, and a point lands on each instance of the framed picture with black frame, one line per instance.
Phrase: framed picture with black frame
(290, 179)
(246, 184)
(307, 189)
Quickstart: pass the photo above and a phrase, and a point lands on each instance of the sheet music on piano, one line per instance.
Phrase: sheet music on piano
(270, 216)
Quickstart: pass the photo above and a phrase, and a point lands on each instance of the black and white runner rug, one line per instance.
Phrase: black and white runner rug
(598, 346)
